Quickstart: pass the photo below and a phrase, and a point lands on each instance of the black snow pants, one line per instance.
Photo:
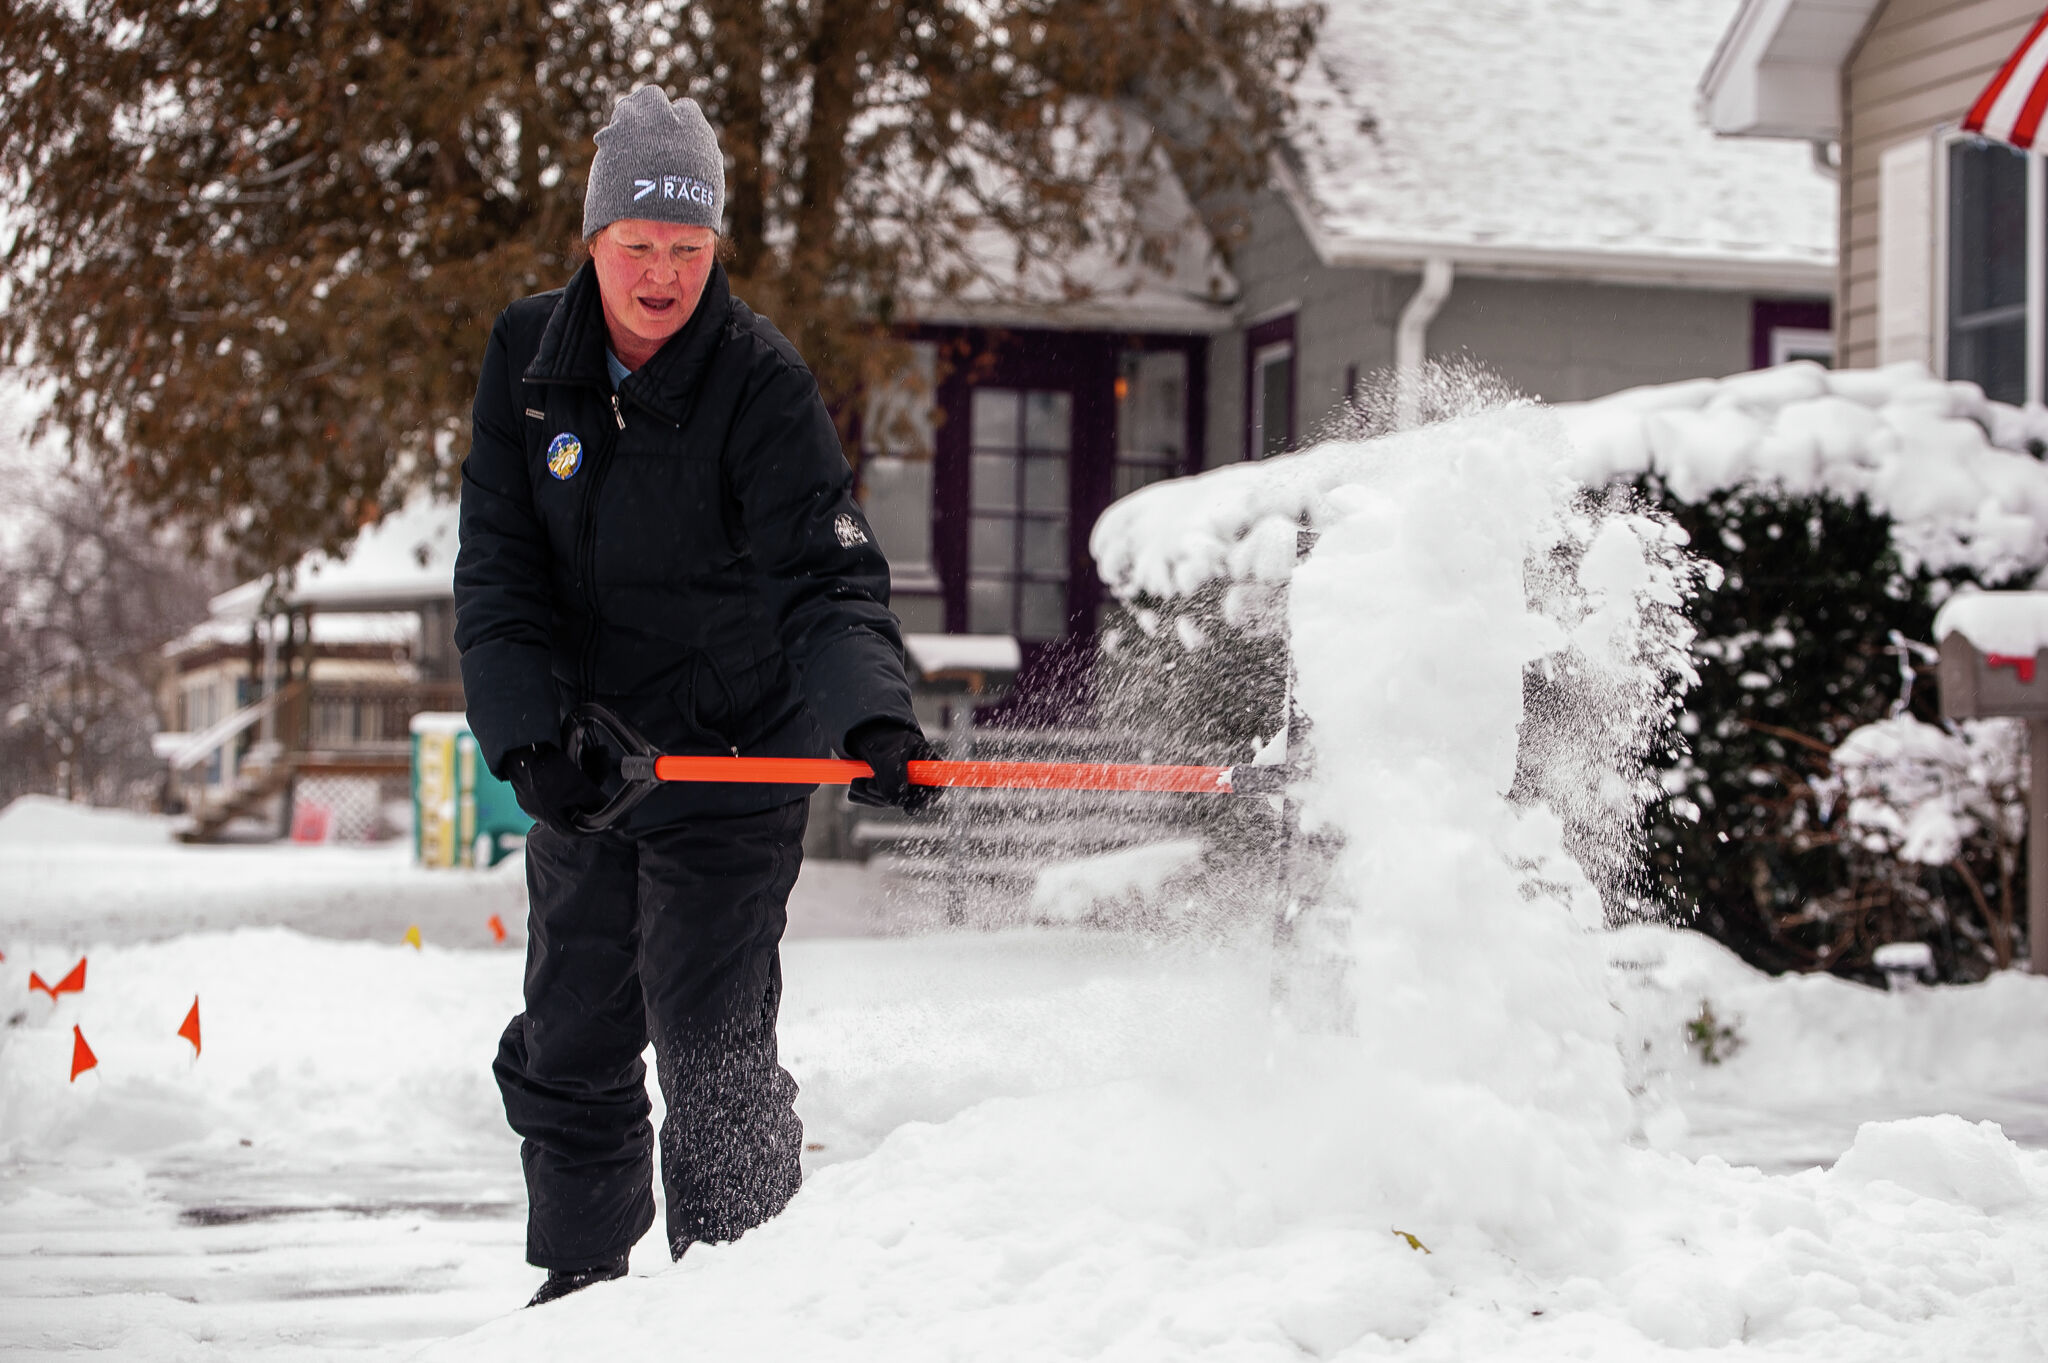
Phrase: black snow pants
(667, 936)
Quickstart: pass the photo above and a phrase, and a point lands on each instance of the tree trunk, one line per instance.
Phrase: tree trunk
(740, 40)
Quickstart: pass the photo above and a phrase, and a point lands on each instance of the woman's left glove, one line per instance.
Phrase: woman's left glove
(889, 747)
(551, 787)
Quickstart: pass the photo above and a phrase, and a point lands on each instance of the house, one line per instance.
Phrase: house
(301, 686)
(1939, 231)
(1524, 182)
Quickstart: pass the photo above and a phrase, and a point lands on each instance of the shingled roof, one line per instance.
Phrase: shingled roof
(1550, 137)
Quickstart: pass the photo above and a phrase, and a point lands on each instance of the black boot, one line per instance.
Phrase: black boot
(560, 1283)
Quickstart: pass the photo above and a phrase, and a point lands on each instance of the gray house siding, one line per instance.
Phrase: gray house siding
(1559, 339)
(1566, 340)
(1919, 67)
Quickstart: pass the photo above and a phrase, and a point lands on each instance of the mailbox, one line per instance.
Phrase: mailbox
(1994, 663)
(1977, 684)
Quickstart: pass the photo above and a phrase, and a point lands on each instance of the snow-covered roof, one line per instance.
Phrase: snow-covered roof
(400, 629)
(1548, 137)
(403, 560)
(968, 271)
(407, 556)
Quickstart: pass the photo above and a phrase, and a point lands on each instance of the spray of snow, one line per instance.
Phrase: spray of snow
(1458, 574)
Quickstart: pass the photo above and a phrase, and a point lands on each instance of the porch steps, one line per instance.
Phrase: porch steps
(256, 784)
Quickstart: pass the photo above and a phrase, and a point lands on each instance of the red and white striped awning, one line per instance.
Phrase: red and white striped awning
(2011, 107)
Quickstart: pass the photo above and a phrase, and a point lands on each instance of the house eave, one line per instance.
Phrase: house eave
(1656, 269)
(1190, 317)
(1777, 71)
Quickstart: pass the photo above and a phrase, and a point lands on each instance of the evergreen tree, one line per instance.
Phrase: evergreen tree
(258, 244)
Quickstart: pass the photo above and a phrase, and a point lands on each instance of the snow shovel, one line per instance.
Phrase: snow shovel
(642, 768)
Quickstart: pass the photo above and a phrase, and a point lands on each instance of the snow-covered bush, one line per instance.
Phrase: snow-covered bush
(1833, 510)
(1841, 508)
(1920, 797)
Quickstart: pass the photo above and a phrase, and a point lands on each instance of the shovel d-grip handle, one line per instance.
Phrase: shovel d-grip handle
(642, 768)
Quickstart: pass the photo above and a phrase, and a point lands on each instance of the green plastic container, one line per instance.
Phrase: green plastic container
(461, 814)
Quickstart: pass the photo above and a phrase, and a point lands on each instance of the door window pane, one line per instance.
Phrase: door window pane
(995, 482)
(1045, 485)
(992, 547)
(991, 606)
(1048, 421)
(1045, 547)
(995, 419)
(1044, 610)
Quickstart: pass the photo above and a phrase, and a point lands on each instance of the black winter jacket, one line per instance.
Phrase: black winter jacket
(686, 551)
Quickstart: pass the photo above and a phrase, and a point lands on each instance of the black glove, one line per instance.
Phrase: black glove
(550, 786)
(889, 747)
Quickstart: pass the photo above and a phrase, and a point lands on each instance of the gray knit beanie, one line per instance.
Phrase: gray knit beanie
(655, 160)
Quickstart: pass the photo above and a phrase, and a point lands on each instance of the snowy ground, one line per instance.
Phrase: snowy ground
(1455, 1119)
(1031, 1144)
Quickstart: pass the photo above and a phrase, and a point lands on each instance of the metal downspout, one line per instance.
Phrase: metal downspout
(1411, 336)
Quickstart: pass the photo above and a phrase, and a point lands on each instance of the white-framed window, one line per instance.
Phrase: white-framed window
(1272, 389)
(1151, 418)
(1988, 221)
(1802, 343)
(899, 435)
(1985, 290)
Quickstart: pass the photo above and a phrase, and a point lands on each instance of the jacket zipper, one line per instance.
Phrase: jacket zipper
(586, 554)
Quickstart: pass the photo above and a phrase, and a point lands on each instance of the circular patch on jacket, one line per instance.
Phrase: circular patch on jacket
(565, 455)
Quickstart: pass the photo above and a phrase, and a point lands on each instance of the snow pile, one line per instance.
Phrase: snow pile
(1947, 465)
(32, 821)
(2012, 623)
(311, 1050)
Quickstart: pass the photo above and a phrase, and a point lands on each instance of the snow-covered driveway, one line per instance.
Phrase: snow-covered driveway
(1064, 1138)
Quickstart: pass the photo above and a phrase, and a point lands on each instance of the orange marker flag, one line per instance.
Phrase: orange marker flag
(82, 1058)
(73, 983)
(497, 926)
(189, 1028)
(412, 936)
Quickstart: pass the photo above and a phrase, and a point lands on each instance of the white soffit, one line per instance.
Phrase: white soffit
(1778, 71)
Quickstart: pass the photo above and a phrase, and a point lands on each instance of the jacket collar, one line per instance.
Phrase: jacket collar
(572, 345)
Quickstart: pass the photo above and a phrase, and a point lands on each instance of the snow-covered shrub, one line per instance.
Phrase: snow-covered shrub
(1841, 508)
(1953, 799)
(1792, 657)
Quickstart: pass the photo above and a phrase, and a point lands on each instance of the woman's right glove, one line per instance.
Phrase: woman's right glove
(889, 747)
(551, 787)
